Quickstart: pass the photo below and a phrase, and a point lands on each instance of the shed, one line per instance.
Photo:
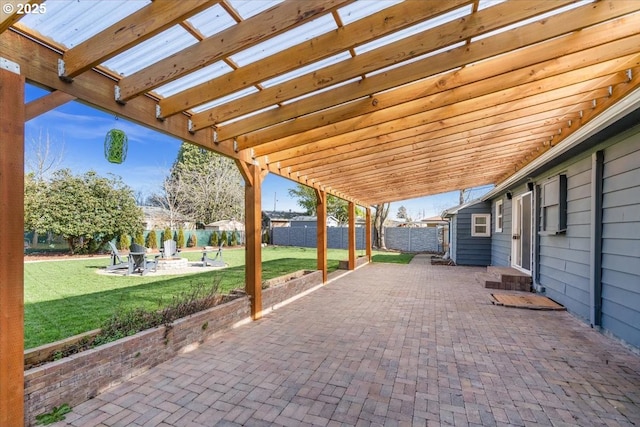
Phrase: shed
(312, 221)
(470, 233)
(225, 225)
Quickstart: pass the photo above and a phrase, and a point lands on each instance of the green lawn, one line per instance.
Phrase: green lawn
(64, 298)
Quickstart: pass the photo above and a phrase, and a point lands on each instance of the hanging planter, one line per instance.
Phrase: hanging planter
(115, 146)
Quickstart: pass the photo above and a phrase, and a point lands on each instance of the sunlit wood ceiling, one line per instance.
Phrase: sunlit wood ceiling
(370, 101)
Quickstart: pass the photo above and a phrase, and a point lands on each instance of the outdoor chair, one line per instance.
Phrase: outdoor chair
(138, 262)
(216, 261)
(117, 261)
(169, 249)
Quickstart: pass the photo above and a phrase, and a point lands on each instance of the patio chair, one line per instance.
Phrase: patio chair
(169, 249)
(216, 261)
(117, 261)
(138, 262)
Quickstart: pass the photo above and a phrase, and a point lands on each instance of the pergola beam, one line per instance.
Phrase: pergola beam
(378, 25)
(139, 26)
(46, 103)
(12, 247)
(411, 47)
(250, 32)
(527, 35)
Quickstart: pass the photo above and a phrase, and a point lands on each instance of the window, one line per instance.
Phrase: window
(498, 216)
(480, 225)
(554, 206)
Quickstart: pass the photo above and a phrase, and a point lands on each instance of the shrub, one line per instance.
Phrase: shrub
(213, 240)
(123, 242)
(224, 238)
(139, 239)
(193, 241)
(265, 237)
(166, 235)
(152, 240)
(180, 238)
(234, 238)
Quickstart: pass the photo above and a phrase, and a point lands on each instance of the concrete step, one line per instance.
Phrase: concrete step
(507, 278)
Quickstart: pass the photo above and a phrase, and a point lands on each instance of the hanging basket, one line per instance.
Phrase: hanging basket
(115, 146)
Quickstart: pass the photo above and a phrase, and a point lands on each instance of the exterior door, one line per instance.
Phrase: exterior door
(521, 248)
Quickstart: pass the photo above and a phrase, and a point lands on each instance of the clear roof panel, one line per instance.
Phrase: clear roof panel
(279, 43)
(415, 29)
(150, 51)
(307, 69)
(197, 77)
(363, 8)
(249, 8)
(212, 21)
(225, 99)
(72, 22)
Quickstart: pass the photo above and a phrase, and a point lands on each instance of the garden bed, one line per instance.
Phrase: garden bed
(79, 377)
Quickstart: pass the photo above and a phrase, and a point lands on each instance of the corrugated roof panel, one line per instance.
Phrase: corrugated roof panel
(190, 80)
(534, 19)
(488, 3)
(254, 113)
(363, 8)
(72, 22)
(146, 53)
(249, 8)
(284, 41)
(225, 99)
(417, 58)
(212, 21)
(415, 29)
(307, 69)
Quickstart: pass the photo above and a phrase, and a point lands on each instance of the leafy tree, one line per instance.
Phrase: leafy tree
(86, 210)
(337, 207)
(203, 185)
(180, 239)
(152, 240)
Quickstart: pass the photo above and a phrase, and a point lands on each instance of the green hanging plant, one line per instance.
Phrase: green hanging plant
(115, 146)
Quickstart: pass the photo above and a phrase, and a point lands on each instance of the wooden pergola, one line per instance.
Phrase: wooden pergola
(369, 101)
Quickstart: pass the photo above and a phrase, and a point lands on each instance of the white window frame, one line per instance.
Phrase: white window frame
(486, 225)
(499, 214)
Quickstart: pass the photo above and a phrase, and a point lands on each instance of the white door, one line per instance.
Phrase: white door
(521, 248)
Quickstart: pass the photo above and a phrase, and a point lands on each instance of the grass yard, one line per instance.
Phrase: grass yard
(65, 298)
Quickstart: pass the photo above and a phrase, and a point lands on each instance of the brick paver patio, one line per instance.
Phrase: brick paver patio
(388, 345)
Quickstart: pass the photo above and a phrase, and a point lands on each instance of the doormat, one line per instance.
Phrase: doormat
(532, 302)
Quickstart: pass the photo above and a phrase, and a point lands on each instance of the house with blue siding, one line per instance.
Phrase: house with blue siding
(571, 220)
(470, 233)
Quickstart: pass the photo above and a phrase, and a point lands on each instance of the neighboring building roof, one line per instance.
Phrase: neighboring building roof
(159, 213)
(454, 210)
(226, 224)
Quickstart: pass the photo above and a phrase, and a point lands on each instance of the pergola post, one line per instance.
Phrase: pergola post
(352, 236)
(253, 234)
(321, 211)
(12, 247)
(367, 234)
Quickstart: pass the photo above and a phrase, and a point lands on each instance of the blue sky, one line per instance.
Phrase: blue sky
(79, 131)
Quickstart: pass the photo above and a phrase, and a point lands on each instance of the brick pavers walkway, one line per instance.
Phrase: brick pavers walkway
(388, 345)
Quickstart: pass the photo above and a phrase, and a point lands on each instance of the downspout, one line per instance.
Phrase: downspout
(595, 281)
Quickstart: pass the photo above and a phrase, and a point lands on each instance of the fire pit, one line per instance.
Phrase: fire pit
(172, 263)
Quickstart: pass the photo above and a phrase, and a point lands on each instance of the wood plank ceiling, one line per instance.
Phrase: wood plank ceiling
(371, 101)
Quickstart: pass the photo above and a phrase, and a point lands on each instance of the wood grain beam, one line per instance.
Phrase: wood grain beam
(10, 12)
(250, 32)
(478, 95)
(528, 35)
(12, 248)
(466, 83)
(321, 232)
(364, 30)
(391, 54)
(420, 123)
(46, 103)
(126, 33)
(352, 235)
